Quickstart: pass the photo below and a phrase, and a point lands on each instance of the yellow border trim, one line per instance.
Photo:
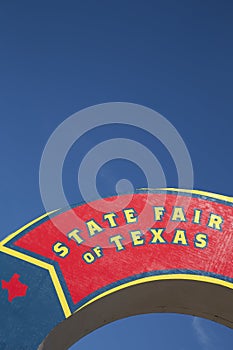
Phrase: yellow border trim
(37, 262)
(201, 193)
(14, 234)
(186, 277)
(46, 266)
(55, 279)
(172, 276)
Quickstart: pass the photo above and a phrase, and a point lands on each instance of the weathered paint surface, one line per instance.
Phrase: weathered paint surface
(164, 235)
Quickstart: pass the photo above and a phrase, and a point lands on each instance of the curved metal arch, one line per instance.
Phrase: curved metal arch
(173, 254)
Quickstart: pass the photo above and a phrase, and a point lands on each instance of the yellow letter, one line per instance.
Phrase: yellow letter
(201, 240)
(215, 222)
(197, 216)
(93, 227)
(136, 237)
(98, 251)
(180, 238)
(178, 214)
(130, 216)
(117, 241)
(75, 236)
(88, 257)
(159, 213)
(61, 249)
(111, 221)
(157, 235)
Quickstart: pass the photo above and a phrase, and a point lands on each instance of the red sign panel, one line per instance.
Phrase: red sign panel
(157, 235)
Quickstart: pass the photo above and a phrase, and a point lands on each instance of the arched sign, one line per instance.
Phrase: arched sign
(64, 275)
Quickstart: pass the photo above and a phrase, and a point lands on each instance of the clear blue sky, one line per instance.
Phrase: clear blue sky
(176, 57)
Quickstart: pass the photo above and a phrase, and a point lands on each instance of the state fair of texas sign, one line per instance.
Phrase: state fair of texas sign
(166, 251)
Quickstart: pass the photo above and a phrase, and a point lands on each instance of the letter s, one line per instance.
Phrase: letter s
(60, 249)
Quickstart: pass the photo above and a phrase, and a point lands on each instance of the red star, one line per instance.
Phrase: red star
(15, 287)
